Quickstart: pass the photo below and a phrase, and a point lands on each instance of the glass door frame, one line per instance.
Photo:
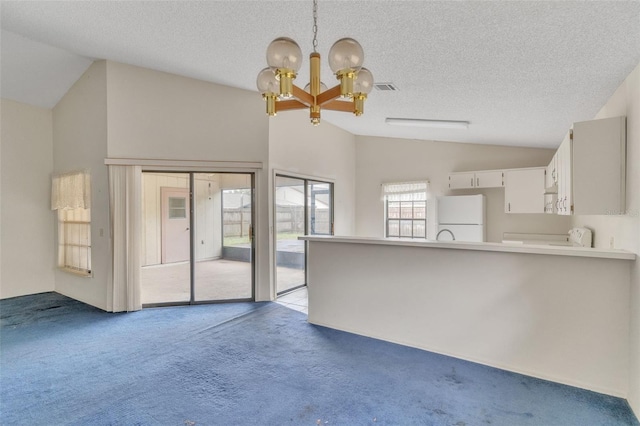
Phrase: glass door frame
(305, 179)
(192, 239)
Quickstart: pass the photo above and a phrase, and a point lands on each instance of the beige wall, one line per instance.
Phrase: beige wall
(560, 318)
(164, 116)
(80, 142)
(384, 160)
(625, 229)
(298, 148)
(27, 261)
(323, 151)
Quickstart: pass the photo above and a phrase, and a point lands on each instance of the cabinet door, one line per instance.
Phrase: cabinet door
(549, 176)
(550, 205)
(564, 177)
(524, 191)
(462, 180)
(598, 166)
(490, 179)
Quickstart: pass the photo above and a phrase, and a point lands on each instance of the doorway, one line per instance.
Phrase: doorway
(197, 238)
(302, 206)
(175, 223)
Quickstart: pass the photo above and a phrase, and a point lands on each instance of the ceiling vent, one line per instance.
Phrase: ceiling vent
(385, 86)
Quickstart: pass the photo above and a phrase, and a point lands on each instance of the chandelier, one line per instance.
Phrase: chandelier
(284, 58)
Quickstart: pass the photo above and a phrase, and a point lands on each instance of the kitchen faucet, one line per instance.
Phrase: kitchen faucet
(449, 231)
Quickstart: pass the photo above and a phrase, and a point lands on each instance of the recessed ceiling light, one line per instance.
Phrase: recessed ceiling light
(419, 122)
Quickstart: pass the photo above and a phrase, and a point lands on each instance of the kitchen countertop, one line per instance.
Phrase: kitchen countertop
(515, 247)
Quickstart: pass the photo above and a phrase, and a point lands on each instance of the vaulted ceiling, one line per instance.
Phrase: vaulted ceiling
(521, 72)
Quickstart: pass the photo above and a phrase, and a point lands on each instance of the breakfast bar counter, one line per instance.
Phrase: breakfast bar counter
(510, 247)
(558, 313)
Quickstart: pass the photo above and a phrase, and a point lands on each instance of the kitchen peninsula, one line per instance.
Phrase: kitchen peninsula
(558, 313)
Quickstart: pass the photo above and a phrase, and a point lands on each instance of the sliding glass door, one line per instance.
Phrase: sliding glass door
(198, 237)
(223, 264)
(302, 206)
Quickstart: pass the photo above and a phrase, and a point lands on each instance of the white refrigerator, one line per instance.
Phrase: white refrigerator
(461, 218)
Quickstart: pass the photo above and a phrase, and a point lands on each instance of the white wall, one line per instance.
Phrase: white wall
(384, 160)
(80, 142)
(27, 261)
(625, 229)
(323, 151)
(155, 115)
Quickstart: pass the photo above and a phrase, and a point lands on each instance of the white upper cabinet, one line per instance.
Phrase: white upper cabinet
(587, 173)
(463, 180)
(524, 190)
(479, 179)
(490, 179)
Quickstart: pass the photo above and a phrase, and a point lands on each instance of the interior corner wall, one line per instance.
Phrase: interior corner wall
(624, 230)
(156, 115)
(27, 261)
(323, 151)
(383, 160)
(80, 142)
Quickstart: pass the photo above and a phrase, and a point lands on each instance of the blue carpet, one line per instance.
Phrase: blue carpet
(65, 363)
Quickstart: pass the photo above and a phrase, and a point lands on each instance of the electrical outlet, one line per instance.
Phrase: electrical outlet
(611, 242)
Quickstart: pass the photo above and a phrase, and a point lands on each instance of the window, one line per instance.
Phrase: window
(405, 209)
(71, 196)
(74, 240)
(177, 207)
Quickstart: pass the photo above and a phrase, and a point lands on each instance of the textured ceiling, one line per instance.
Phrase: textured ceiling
(521, 72)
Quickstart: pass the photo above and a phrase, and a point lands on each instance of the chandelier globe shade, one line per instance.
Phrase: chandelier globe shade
(345, 54)
(362, 86)
(364, 81)
(284, 56)
(345, 60)
(267, 81)
(323, 87)
(269, 86)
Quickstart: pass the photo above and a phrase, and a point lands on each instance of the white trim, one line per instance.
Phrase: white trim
(285, 173)
(185, 165)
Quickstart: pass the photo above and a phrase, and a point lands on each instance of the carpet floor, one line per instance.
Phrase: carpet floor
(66, 363)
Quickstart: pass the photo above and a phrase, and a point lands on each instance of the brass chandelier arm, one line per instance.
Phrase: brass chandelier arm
(340, 106)
(291, 104)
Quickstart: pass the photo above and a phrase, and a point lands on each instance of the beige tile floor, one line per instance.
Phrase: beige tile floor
(297, 300)
(214, 280)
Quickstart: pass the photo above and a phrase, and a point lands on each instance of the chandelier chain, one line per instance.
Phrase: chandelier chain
(315, 26)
